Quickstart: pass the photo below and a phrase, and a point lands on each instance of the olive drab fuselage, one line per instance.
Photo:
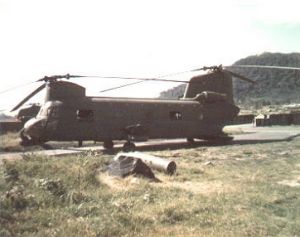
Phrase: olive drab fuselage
(68, 114)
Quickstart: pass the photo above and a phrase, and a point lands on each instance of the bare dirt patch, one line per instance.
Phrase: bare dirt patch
(119, 184)
(131, 182)
(292, 182)
(204, 188)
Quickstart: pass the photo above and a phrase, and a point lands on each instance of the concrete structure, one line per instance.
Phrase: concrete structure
(243, 119)
(277, 119)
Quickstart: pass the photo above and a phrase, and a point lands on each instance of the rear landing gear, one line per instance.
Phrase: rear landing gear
(108, 145)
(190, 140)
(128, 146)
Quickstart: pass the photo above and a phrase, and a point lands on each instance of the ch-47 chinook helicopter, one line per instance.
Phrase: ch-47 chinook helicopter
(69, 115)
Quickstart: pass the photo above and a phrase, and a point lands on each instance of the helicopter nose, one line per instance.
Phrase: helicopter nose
(34, 127)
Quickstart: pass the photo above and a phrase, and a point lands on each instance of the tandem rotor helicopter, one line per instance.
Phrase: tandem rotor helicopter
(69, 115)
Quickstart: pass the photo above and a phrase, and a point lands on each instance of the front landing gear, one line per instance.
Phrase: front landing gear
(128, 146)
(26, 140)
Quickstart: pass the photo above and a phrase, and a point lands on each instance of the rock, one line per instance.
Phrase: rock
(209, 163)
(130, 166)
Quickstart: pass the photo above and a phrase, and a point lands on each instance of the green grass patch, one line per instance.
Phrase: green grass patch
(217, 191)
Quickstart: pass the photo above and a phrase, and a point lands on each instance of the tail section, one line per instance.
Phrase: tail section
(217, 82)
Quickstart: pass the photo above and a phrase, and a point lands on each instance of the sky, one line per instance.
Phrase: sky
(137, 38)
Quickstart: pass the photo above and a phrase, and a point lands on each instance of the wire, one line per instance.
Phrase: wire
(16, 87)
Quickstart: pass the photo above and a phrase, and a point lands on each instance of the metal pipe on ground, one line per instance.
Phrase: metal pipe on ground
(154, 162)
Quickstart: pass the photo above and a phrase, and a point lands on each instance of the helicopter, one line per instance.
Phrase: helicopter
(67, 114)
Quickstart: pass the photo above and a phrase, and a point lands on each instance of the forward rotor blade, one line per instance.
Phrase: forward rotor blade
(37, 90)
(141, 80)
(263, 66)
(138, 78)
(55, 77)
(240, 76)
(68, 76)
(121, 86)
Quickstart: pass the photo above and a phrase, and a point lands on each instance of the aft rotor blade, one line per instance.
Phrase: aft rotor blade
(37, 90)
(240, 76)
(263, 66)
(194, 70)
(160, 78)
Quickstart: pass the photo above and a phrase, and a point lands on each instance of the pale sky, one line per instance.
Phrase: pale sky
(142, 38)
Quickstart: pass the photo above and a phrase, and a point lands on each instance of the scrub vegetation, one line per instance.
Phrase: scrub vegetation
(10, 142)
(236, 190)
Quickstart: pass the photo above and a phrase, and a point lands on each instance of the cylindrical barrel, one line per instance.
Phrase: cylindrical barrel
(153, 161)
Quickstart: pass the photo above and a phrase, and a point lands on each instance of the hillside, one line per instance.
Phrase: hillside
(274, 86)
(4, 117)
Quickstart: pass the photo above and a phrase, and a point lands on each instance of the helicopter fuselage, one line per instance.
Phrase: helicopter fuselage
(101, 119)
(69, 115)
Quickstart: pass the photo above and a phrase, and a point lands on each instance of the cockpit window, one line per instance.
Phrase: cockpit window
(43, 112)
(40, 112)
(53, 112)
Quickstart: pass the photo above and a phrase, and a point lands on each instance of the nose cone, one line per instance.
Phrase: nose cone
(35, 127)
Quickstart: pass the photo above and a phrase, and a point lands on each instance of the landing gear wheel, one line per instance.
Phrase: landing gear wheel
(25, 141)
(190, 140)
(128, 146)
(227, 139)
(108, 145)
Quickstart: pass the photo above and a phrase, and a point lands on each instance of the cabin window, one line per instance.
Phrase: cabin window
(175, 115)
(85, 114)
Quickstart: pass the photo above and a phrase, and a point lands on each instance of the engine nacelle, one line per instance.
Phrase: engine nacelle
(210, 97)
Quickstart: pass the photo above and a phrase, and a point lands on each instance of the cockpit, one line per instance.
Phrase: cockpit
(49, 109)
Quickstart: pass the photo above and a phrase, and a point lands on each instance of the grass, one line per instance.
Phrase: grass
(10, 142)
(237, 190)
